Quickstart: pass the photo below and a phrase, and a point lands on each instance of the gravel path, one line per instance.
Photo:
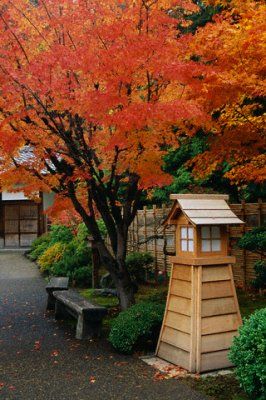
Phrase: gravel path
(41, 360)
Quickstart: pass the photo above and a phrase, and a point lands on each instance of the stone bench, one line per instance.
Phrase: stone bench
(89, 316)
(55, 283)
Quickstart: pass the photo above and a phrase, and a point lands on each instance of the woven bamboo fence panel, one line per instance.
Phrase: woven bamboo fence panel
(146, 234)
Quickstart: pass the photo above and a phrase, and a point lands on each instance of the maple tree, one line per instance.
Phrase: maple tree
(94, 88)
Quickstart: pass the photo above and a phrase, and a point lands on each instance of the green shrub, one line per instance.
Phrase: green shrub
(138, 265)
(76, 255)
(140, 321)
(83, 276)
(60, 233)
(260, 271)
(254, 241)
(51, 256)
(39, 246)
(248, 353)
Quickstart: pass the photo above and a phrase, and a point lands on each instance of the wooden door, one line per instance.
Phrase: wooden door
(20, 224)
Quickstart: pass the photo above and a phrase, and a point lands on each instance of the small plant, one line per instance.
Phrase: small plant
(248, 353)
(83, 276)
(255, 241)
(141, 321)
(260, 271)
(138, 266)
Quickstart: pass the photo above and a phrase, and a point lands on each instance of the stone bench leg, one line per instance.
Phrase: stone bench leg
(60, 311)
(50, 302)
(87, 329)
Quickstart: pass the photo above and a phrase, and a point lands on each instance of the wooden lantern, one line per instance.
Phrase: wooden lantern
(202, 313)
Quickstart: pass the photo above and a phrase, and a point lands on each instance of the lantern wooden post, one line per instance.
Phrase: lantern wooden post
(202, 313)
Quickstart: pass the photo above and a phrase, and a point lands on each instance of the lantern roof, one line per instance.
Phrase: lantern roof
(202, 209)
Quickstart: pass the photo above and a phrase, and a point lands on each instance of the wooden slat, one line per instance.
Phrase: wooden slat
(212, 290)
(216, 221)
(174, 355)
(187, 196)
(224, 213)
(180, 305)
(216, 273)
(220, 306)
(216, 360)
(202, 260)
(178, 321)
(182, 272)
(203, 204)
(181, 288)
(219, 323)
(176, 338)
(215, 342)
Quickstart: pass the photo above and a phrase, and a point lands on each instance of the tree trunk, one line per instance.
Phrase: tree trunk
(125, 291)
(117, 269)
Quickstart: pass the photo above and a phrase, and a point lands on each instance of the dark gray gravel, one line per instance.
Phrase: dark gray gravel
(41, 359)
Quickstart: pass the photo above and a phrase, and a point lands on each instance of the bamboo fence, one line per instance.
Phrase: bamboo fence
(146, 234)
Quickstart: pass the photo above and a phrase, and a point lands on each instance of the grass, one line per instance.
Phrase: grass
(145, 293)
(152, 293)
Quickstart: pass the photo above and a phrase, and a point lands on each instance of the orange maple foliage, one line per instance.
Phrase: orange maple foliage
(235, 90)
(94, 89)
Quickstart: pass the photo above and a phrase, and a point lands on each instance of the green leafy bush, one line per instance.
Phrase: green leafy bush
(61, 253)
(138, 265)
(83, 276)
(51, 256)
(254, 241)
(141, 321)
(76, 255)
(260, 271)
(60, 233)
(39, 246)
(248, 353)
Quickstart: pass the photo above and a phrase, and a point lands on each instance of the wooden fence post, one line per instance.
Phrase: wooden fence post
(145, 227)
(155, 244)
(243, 213)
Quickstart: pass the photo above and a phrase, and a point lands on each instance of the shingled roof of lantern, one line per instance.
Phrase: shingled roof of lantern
(202, 209)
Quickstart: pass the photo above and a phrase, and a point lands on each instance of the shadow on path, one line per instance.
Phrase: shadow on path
(40, 358)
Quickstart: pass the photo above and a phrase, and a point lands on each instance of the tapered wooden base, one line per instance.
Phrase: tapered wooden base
(201, 317)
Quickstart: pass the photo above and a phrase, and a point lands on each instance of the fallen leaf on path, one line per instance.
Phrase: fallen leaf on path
(120, 363)
(92, 379)
(37, 345)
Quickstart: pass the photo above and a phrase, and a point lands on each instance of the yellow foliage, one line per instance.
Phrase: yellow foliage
(51, 256)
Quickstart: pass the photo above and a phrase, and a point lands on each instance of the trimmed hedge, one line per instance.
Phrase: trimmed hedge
(140, 321)
(248, 353)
